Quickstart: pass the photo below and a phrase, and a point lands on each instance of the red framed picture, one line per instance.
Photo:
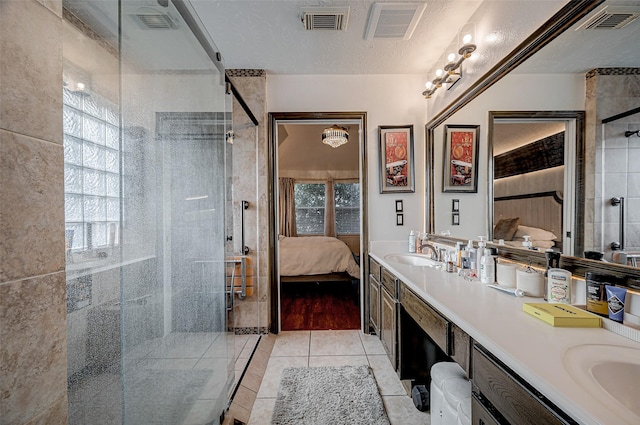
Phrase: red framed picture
(460, 167)
(396, 159)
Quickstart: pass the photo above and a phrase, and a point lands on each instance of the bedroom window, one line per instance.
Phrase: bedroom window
(310, 204)
(347, 208)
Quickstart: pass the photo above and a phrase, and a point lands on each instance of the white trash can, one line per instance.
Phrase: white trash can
(457, 391)
(440, 373)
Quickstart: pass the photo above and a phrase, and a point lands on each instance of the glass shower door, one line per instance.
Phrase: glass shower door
(174, 319)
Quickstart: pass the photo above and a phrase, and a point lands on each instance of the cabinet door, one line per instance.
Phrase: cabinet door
(516, 401)
(374, 304)
(388, 322)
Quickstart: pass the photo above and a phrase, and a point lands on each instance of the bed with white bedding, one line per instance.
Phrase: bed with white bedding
(316, 258)
(537, 215)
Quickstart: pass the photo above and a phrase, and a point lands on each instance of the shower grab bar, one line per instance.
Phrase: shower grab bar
(619, 246)
(244, 206)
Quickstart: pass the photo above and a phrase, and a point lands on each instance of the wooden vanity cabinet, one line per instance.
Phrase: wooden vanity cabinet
(389, 315)
(374, 296)
(427, 337)
(501, 396)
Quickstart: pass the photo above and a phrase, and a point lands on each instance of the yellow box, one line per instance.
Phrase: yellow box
(562, 315)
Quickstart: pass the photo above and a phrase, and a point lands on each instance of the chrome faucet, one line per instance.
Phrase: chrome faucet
(434, 251)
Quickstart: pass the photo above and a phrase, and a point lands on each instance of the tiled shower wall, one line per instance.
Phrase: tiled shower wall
(613, 160)
(33, 356)
(250, 183)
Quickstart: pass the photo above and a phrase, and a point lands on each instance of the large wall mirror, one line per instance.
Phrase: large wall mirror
(573, 103)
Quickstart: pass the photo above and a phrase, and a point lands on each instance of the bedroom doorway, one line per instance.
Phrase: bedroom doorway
(317, 222)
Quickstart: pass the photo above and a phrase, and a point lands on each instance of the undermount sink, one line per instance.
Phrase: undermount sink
(614, 370)
(412, 260)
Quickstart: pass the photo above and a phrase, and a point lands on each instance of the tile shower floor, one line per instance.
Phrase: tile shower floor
(332, 348)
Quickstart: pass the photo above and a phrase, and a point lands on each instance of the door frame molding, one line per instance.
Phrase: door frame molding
(272, 184)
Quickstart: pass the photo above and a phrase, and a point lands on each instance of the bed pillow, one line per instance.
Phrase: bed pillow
(506, 228)
(535, 233)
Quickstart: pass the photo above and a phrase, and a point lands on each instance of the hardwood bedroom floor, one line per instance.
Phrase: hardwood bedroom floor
(319, 306)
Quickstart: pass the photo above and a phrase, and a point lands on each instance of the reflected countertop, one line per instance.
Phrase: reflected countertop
(530, 347)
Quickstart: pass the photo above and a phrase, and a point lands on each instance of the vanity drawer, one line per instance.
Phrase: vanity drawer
(375, 269)
(390, 282)
(460, 348)
(434, 324)
(517, 403)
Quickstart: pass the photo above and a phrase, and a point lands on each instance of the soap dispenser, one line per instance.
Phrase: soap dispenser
(527, 243)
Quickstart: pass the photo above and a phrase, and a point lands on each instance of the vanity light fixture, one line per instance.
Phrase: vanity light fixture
(452, 70)
(335, 136)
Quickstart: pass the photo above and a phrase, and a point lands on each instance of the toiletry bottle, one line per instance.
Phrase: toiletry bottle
(466, 259)
(479, 253)
(412, 241)
(473, 264)
(458, 254)
(487, 268)
(451, 266)
(553, 262)
(527, 243)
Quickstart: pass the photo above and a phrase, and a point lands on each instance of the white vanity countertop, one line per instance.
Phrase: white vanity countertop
(531, 348)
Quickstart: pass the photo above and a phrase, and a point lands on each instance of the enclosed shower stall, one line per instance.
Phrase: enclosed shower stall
(149, 213)
(612, 181)
(618, 184)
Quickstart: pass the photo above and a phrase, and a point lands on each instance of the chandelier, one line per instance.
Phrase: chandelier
(335, 136)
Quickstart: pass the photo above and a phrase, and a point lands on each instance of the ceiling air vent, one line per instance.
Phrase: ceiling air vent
(393, 21)
(612, 18)
(325, 18)
(152, 19)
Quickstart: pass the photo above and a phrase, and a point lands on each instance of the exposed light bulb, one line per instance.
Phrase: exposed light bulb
(467, 39)
(438, 73)
(428, 85)
(451, 57)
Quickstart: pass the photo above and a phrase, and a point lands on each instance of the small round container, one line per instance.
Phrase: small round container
(506, 274)
(530, 281)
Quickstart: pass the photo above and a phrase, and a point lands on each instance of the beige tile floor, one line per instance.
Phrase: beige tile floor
(334, 348)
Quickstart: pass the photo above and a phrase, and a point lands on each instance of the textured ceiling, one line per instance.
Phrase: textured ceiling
(268, 34)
